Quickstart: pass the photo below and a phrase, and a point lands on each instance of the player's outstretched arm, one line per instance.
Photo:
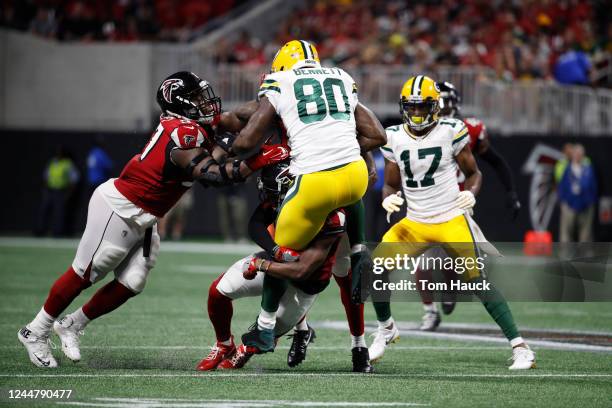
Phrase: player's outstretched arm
(371, 165)
(370, 132)
(467, 164)
(310, 260)
(501, 167)
(200, 165)
(235, 120)
(259, 222)
(254, 133)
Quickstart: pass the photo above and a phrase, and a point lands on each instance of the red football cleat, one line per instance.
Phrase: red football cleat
(217, 354)
(242, 355)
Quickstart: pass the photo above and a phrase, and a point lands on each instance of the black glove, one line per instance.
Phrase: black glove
(225, 140)
(361, 268)
(513, 204)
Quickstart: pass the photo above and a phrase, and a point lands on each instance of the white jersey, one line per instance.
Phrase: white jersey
(428, 168)
(317, 107)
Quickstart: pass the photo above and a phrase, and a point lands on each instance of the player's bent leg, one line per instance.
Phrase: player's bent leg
(312, 197)
(462, 237)
(34, 336)
(227, 287)
(292, 311)
(130, 279)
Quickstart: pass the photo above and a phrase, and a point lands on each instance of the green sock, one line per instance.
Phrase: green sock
(498, 309)
(355, 223)
(273, 291)
(383, 310)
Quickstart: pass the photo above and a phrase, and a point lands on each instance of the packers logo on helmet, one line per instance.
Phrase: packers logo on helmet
(420, 102)
(295, 54)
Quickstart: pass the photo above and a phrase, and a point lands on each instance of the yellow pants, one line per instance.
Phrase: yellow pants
(313, 196)
(455, 236)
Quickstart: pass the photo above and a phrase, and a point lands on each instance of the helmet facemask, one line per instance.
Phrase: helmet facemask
(202, 105)
(419, 114)
(273, 188)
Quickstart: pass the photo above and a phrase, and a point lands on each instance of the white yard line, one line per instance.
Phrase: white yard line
(223, 403)
(180, 247)
(342, 325)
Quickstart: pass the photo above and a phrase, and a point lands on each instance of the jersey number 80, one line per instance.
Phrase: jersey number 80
(316, 96)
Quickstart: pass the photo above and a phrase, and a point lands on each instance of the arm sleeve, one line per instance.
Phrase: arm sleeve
(460, 139)
(501, 167)
(387, 150)
(258, 228)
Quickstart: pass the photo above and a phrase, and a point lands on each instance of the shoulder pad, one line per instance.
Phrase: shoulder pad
(189, 135)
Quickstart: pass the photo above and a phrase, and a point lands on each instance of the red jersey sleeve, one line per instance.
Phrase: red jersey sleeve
(476, 130)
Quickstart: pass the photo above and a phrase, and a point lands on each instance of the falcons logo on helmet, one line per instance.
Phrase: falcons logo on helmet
(170, 85)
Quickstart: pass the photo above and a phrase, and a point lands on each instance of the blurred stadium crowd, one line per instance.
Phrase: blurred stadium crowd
(519, 39)
(112, 20)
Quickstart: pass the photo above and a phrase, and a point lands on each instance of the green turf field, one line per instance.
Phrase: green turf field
(144, 354)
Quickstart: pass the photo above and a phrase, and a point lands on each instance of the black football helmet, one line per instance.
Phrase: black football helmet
(273, 183)
(449, 99)
(187, 95)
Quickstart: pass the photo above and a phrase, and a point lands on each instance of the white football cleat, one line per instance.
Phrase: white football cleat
(38, 348)
(523, 357)
(69, 335)
(382, 338)
(431, 321)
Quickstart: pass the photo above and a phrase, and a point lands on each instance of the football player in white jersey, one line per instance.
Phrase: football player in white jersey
(328, 131)
(422, 156)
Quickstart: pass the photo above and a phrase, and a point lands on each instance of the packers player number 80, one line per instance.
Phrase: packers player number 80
(317, 97)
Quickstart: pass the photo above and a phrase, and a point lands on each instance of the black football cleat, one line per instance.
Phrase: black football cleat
(299, 345)
(361, 360)
(448, 307)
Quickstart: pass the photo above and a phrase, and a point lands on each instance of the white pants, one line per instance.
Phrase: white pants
(112, 243)
(293, 305)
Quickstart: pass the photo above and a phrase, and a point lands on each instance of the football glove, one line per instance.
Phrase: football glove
(465, 200)
(282, 254)
(513, 204)
(256, 265)
(269, 154)
(392, 204)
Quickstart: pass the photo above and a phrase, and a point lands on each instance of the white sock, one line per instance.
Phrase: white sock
(358, 341)
(430, 307)
(266, 320)
(386, 323)
(227, 342)
(302, 325)
(79, 319)
(42, 323)
(516, 341)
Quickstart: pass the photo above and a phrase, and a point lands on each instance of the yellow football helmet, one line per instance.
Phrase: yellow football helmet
(295, 54)
(420, 102)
